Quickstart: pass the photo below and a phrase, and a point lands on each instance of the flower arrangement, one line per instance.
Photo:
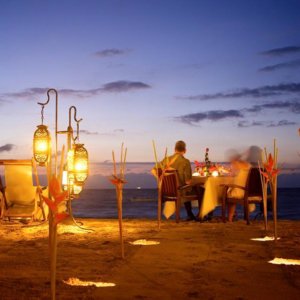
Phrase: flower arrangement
(207, 168)
(269, 173)
(118, 181)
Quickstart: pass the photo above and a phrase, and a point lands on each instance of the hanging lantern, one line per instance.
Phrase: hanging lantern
(70, 160)
(41, 144)
(77, 188)
(69, 184)
(80, 167)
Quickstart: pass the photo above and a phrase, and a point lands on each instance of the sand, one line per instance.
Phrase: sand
(193, 261)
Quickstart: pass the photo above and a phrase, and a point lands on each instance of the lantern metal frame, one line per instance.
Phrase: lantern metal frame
(71, 141)
(41, 136)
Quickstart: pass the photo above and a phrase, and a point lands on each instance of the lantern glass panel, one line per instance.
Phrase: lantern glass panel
(41, 144)
(80, 163)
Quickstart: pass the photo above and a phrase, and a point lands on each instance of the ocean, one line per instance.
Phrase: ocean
(142, 203)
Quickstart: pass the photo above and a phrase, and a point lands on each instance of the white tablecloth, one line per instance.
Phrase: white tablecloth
(213, 192)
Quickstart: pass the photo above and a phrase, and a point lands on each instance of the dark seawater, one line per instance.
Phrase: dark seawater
(94, 203)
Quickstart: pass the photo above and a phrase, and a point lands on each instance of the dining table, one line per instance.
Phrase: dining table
(213, 191)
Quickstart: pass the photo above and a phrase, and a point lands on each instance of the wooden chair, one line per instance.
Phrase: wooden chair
(252, 194)
(172, 191)
(19, 197)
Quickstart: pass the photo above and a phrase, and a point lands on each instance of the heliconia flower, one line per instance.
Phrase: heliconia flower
(269, 167)
(60, 217)
(198, 164)
(270, 163)
(54, 186)
(116, 180)
(213, 168)
(59, 196)
(266, 175)
(50, 203)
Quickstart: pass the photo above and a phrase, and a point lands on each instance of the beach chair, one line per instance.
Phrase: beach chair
(172, 191)
(252, 194)
(19, 197)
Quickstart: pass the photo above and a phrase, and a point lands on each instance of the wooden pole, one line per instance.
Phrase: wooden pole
(53, 251)
(119, 189)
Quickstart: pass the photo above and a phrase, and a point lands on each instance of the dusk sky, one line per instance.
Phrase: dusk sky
(217, 74)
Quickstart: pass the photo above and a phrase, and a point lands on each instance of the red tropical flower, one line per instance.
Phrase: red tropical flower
(270, 171)
(58, 196)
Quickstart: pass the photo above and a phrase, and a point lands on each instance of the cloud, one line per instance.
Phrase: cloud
(7, 147)
(286, 65)
(281, 123)
(263, 91)
(282, 51)
(112, 133)
(115, 86)
(124, 86)
(218, 115)
(111, 52)
(292, 106)
(213, 115)
(89, 132)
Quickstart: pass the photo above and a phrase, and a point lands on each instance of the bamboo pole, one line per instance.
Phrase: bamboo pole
(53, 237)
(158, 180)
(118, 182)
(119, 188)
(264, 185)
(274, 196)
(124, 162)
(114, 163)
(53, 260)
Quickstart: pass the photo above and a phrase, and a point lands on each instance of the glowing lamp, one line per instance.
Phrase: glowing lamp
(77, 188)
(41, 144)
(215, 173)
(80, 165)
(65, 180)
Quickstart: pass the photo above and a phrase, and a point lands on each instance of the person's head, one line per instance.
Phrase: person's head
(180, 147)
(253, 155)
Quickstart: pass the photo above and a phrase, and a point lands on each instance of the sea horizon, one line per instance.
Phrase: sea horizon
(142, 203)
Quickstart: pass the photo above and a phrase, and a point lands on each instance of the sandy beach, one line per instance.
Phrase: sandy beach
(192, 261)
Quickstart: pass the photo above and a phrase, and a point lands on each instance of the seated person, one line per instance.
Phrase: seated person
(241, 171)
(183, 167)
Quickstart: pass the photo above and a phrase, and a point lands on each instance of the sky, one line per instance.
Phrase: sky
(217, 74)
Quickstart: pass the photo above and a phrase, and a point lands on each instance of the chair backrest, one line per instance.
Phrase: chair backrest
(18, 181)
(253, 183)
(170, 184)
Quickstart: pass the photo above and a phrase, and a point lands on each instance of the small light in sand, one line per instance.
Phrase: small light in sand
(265, 239)
(78, 282)
(71, 229)
(144, 242)
(285, 261)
